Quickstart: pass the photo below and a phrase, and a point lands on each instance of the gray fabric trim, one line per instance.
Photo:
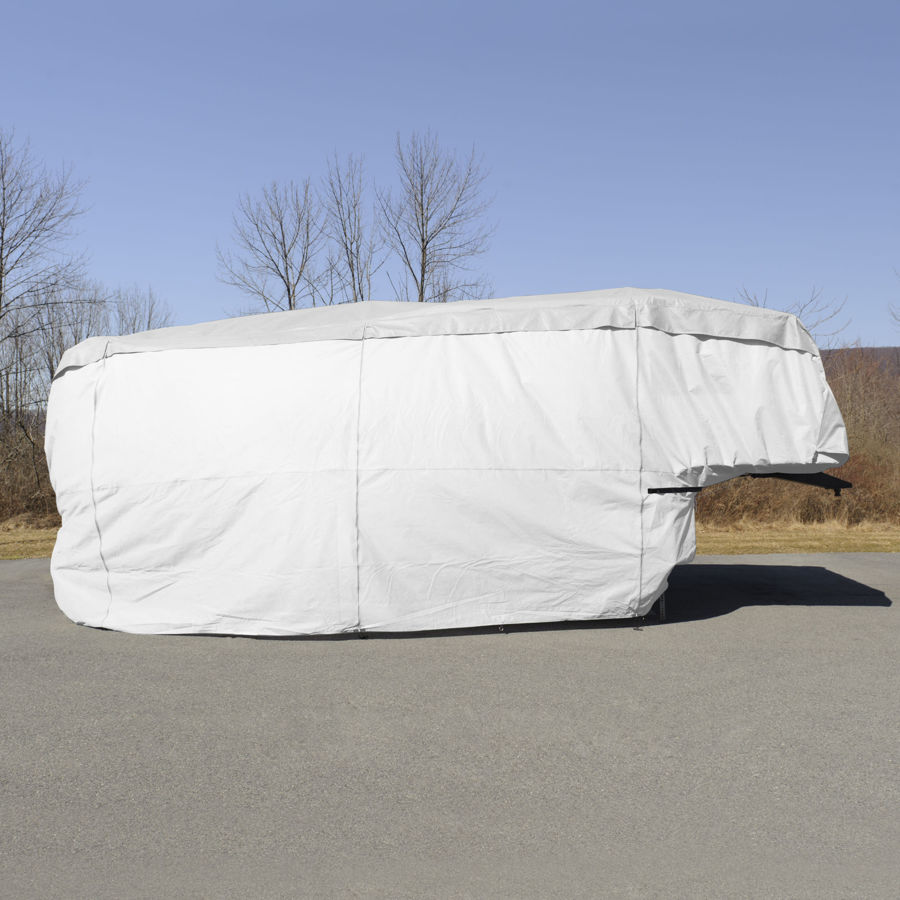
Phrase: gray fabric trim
(627, 308)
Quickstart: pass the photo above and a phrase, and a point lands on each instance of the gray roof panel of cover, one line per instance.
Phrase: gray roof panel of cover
(668, 311)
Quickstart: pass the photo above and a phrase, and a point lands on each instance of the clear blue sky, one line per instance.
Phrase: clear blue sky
(702, 147)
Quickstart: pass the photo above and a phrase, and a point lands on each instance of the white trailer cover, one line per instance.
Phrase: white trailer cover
(393, 466)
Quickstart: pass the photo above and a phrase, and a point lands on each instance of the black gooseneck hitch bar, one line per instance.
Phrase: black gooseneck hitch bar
(816, 479)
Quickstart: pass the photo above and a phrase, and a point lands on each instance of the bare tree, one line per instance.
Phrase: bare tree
(35, 338)
(135, 310)
(38, 209)
(351, 230)
(435, 222)
(822, 318)
(277, 237)
(76, 313)
(17, 363)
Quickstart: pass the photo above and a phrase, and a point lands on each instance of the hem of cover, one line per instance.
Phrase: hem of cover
(387, 628)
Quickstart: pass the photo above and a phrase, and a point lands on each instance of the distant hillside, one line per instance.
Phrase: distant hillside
(886, 358)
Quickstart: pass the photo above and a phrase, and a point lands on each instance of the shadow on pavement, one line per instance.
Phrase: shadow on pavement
(695, 592)
(701, 591)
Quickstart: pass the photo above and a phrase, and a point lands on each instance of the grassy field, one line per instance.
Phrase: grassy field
(24, 539)
(27, 537)
(825, 537)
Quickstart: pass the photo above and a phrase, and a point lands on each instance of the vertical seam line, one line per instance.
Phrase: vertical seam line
(362, 348)
(93, 495)
(637, 406)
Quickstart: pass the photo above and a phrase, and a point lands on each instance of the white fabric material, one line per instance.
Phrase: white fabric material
(389, 466)
(667, 311)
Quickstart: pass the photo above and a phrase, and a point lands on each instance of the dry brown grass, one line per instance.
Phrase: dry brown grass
(28, 536)
(798, 537)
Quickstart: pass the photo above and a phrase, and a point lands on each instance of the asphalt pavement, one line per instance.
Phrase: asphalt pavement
(748, 747)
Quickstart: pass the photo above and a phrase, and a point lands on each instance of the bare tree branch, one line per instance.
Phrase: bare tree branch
(350, 229)
(37, 212)
(61, 318)
(820, 317)
(135, 310)
(277, 238)
(435, 224)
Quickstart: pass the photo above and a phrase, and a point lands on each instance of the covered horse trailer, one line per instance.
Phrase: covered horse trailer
(402, 467)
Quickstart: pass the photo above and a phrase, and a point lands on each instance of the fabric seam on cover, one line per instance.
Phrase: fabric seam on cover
(100, 374)
(362, 350)
(168, 482)
(642, 493)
